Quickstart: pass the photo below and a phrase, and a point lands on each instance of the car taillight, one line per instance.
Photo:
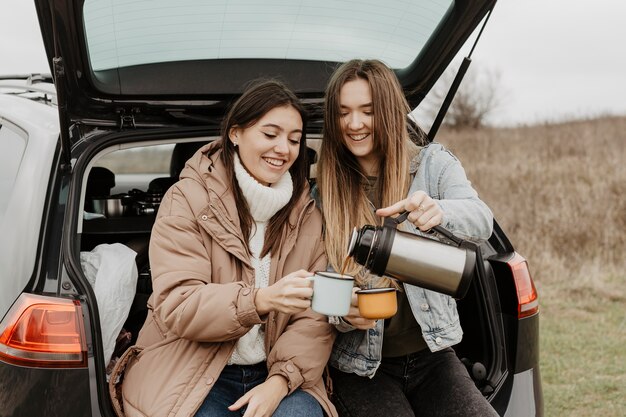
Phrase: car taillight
(527, 303)
(44, 332)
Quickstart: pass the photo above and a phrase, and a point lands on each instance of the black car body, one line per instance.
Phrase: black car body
(132, 77)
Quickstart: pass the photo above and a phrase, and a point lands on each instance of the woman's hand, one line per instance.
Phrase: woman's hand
(263, 399)
(290, 294)
(424, 212)
(354, 317)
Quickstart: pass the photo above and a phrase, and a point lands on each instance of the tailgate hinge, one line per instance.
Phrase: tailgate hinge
(127, 120)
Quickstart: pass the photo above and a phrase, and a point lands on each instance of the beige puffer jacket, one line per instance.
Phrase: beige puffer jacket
(203, 300)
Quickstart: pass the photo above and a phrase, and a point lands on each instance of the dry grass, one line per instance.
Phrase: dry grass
(559, 192)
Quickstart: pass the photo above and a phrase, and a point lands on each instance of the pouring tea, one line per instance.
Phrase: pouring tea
(417, 260)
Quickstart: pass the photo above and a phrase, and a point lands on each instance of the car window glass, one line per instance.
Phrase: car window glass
(136, 167)
(140, 160)
(121, 34)
(13, 145)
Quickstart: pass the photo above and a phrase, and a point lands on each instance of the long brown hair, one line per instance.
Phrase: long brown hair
(341, 179)
(260, 97)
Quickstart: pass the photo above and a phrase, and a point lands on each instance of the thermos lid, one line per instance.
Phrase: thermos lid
(362, 243)
(353, 239)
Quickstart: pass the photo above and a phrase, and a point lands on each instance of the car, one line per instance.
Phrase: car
(135, 89)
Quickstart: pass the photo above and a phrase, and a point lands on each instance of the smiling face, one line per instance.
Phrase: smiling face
(269, 147)
(357, 122)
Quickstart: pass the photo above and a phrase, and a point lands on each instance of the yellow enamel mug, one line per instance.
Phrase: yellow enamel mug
(377, 303)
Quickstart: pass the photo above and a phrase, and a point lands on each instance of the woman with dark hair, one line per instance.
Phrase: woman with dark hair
(370, 168)
(230, 327)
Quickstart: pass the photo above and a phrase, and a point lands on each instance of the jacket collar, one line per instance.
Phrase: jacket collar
(415, 157)
(219, 217)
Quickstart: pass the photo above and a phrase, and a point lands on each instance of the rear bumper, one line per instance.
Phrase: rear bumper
(522, 393)
(32, 392)
(527, 344)
(526, 395)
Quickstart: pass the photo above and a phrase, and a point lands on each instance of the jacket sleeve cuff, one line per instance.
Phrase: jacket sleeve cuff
(340, 324)
(290, 371)
(246, 308)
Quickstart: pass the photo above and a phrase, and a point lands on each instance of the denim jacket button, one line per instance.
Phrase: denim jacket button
(204, 217)
(209, 380)
(438, 340)
(289, 368)
(424, 307)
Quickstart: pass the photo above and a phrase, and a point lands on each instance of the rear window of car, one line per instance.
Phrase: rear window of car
(136, 167)
(13, 145)
(121, 33)
(141, 160)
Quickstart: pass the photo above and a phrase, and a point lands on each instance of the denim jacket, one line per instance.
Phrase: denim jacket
(439, 173)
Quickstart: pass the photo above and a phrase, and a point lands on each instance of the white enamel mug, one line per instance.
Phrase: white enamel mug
(332, 293)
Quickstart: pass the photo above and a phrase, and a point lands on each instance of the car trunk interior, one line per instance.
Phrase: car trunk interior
(481, 349)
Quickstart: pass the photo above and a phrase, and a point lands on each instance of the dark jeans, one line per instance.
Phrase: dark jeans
(236, 380)
(420, 384)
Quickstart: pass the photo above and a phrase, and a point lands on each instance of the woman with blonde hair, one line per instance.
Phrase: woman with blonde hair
(371, 168)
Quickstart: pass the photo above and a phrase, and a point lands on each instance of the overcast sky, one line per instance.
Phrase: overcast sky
(556, 58)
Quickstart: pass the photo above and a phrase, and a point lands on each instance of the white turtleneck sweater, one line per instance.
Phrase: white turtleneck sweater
(263, 202)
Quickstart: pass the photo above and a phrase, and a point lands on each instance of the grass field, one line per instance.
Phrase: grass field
(559, 191)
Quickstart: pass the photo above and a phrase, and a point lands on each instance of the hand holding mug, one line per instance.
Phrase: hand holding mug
(331, 293)
(354, 316)
(290, 294)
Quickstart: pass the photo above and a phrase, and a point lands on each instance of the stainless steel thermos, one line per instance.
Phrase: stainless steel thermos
(446, 267)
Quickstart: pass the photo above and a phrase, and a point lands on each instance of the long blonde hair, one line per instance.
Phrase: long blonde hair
(340, 178)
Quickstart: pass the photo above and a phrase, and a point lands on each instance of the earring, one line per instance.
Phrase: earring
(235, 144)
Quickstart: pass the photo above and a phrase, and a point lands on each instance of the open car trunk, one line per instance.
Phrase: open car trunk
(139, 168)
(137, 83)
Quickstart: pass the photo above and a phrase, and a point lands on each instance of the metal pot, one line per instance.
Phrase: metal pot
(111, 206)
